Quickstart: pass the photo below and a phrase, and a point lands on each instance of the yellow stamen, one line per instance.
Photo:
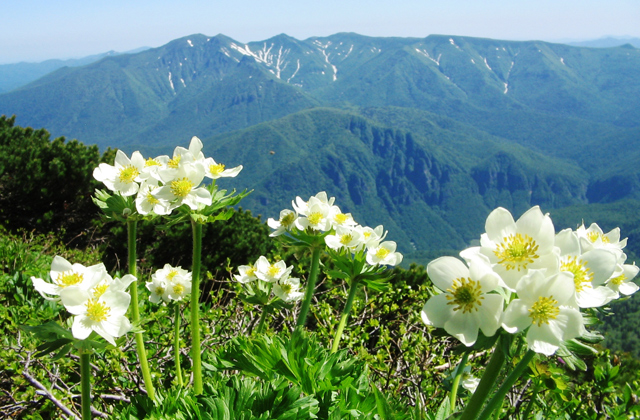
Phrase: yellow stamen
(544, 310)
(69, 278)
(128, 174)
(618, 280)
(173, 163)
(99, 290)
(181, 187)
(274, 270)
(315, 218)
(216, 169)
(466, 294)
(172, 273)
(151, 162)
(97, 311)
(382, 253)
(341, 218)
(594, 235)
(582, 275)
(516, 251)
(346, 238)
(151, 199)
(178, 289)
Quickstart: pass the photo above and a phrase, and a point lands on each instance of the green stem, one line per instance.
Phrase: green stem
(486, 384)
(345, 315)
(135, 314)
(311, 286)
(263, 317)
(456, 380)
(497, 399)
(176, 344)
(195, 307)
(85, 383)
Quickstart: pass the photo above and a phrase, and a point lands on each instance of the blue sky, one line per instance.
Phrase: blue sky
(36, 30)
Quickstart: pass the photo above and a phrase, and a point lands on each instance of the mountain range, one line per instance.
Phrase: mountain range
(423, 135)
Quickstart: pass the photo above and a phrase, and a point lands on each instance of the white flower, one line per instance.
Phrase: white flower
(470, 382)
(147, 203)
(215, 170)
(514, 247)
(179, 286)
(465, 306)
(183, 188)
(105, 315)
(288, 289)
(169, 283)
(345, 237)
(124, 175)
(302, 207)
(372, 237)
(316, 217)
(590, 270)
(270, 273)
(385, 253)
(63, 274)
(158, 288)
(621, 280)
(284, 223)
(152, 168)
(339, 219)
(594, 238)
(543, 307)
(247, 274)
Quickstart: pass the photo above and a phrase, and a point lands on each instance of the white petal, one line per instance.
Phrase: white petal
(436, 312)
(499, 224)
(516, 317)
(489, 314)
(81, 327)
(463, 326)
(444, 270)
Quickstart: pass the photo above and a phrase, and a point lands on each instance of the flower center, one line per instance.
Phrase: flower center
(97, 311)
(151, 162)
(151, 199)
(341, 218)
(593, 237)
(181, 187)
(69, 278)
(216, 169)
(466, 294)
(582, 275)
(250, 272)
(347, 238)
(172, 274)
(273, 270)
(173, 163)
(128, 174)
(516, 251)
(315, 218)
(382, 253)
(286, 288)
(99, 290)
(288, 219)
(544, 310)
(618, 280)
(159, 291)
(178, 289)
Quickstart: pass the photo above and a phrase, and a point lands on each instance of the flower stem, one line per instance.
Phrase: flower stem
(195, 307)
(85, 383)
(132, 226)
(263, 317)
(176, 344)
(532, 400)
(456, 380)
(345, 315)
(311, 286)
(496, 400)
(486, 383)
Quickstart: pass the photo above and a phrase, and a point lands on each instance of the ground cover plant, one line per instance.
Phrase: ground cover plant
(319, 323)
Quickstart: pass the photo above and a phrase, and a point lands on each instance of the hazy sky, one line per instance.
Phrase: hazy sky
(36, 30)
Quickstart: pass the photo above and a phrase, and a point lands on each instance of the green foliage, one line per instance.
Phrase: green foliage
(45, 185)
